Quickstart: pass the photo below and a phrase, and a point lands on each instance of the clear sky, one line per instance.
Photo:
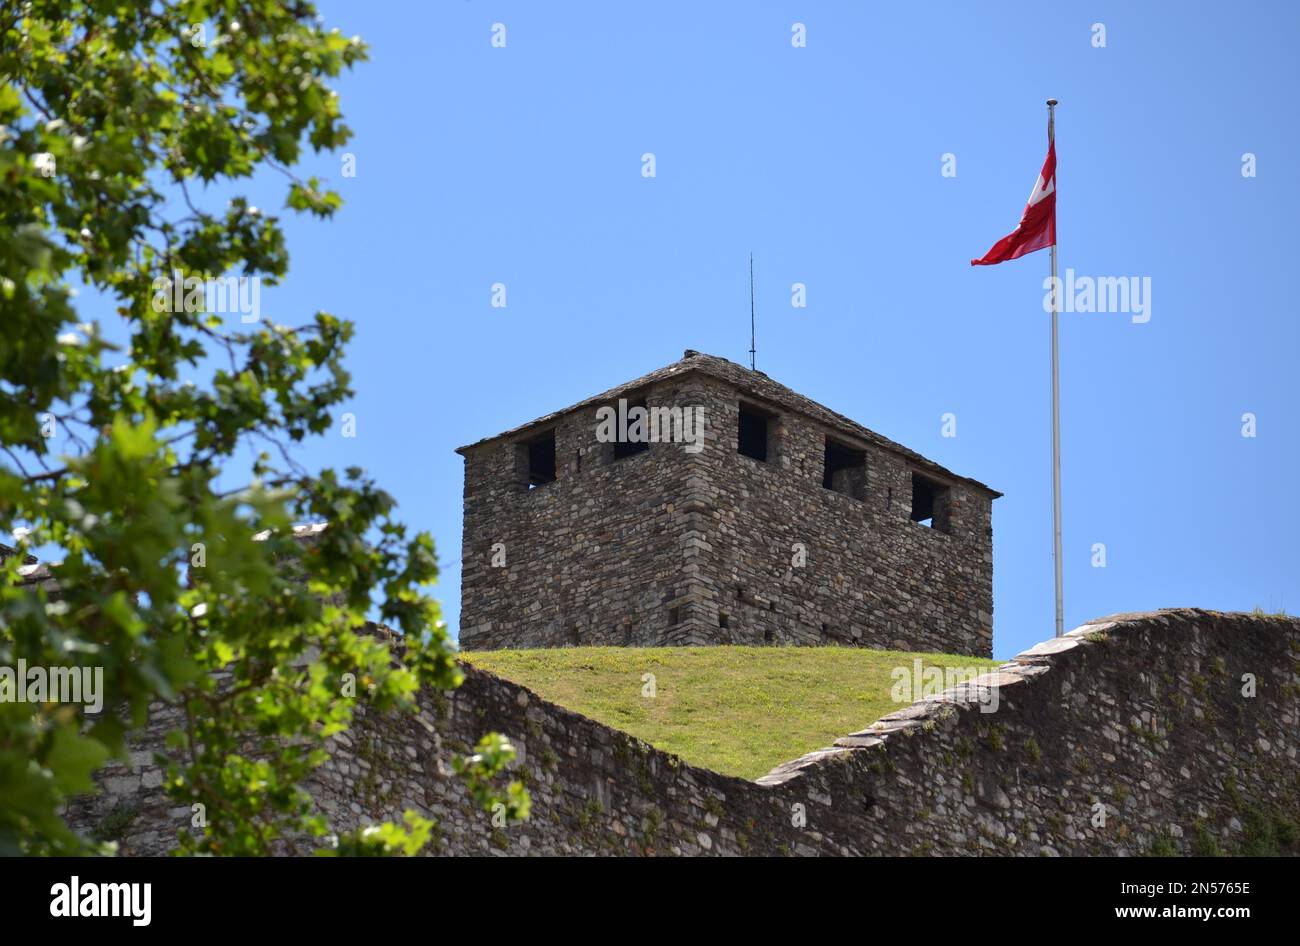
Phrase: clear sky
(522, 165)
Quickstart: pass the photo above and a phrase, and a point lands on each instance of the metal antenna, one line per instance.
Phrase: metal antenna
(751, 312)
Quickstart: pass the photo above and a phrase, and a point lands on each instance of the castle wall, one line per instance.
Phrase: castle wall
(672, 546)
(597, 557)
(1129, 736)
(790, 561)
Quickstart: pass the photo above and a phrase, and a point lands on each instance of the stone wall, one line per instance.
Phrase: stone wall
(1130, 735)
(597, 557)
(785, 560)
(671, 546)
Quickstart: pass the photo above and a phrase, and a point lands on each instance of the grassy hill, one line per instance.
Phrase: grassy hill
(737, 710)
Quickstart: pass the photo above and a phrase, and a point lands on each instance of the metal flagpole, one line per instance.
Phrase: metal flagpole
(1056, 413)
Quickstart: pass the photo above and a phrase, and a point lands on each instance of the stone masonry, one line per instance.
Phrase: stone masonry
(1170, 732)
(790, 524)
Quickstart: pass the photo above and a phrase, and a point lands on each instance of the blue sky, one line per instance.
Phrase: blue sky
(522, 165)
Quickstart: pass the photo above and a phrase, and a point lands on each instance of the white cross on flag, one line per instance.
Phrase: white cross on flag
(1037, 227)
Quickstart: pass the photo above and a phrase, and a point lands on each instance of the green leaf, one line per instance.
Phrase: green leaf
(72, 758)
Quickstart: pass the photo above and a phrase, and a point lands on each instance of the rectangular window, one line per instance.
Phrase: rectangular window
(845, 469)
(541, 460)
(630, 447)
(751, 440)
(929, 502)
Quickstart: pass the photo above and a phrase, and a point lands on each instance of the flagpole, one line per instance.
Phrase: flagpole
(1056, 413)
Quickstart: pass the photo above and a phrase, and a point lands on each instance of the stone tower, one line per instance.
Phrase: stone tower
(705, 503)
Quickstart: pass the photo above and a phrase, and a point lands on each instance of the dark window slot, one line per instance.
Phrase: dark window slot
(752, 436)
(541, 460)
(929, 502)
(845, 469)
(629, 447)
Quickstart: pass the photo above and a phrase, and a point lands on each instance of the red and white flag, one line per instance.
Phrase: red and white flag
(1037, 227)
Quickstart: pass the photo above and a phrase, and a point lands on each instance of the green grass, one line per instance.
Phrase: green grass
(736, 710)
(1261, 613)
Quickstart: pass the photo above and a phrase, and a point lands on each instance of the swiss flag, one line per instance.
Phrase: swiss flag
(1037, 227)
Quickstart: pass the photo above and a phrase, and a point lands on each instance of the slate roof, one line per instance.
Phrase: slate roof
(32, 572)
(756, 384)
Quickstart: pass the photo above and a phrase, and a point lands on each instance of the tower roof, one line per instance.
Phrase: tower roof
(753, 383)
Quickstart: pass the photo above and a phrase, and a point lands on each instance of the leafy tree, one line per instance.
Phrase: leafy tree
(186, 589)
